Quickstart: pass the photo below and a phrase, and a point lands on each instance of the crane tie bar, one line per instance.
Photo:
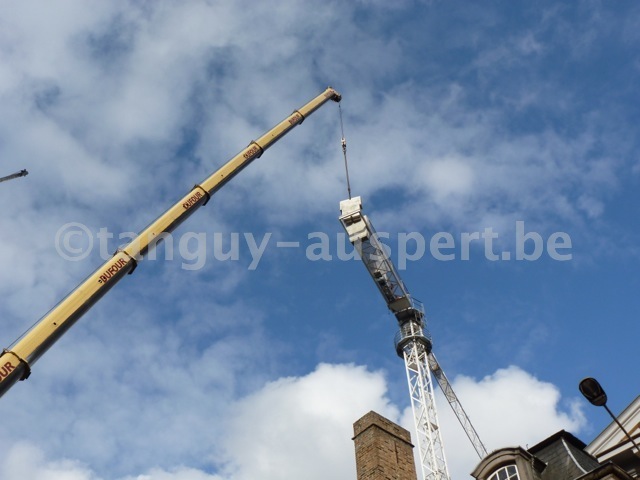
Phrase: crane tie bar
(344, 152)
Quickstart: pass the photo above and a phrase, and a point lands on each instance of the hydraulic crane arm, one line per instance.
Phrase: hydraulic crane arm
(21, 173)
(17, 360)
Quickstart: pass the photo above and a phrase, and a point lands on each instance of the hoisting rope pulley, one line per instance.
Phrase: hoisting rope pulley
(344, 151)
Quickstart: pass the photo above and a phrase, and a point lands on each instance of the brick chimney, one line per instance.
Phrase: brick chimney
(383, 449)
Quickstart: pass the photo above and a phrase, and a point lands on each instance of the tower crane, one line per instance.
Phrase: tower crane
(412, 343)
(21, 173)
(16, 360)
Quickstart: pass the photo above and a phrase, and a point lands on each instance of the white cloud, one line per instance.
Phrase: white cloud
(181, 473)
(301, 427)
(25, 460)
(448, 176)
(510, 407)
(295, 427)
(98, 101)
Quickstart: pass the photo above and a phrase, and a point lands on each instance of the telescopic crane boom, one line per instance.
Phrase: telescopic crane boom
(17, 360)
(412, 342)
(21, 173)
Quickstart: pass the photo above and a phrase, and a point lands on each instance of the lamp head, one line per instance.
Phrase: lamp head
(593, 391)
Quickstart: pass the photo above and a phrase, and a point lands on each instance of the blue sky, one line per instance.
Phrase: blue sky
(460, 117)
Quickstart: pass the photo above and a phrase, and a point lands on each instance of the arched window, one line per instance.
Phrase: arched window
(508, 472)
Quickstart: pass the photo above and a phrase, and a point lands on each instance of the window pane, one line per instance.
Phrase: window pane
(509, 472)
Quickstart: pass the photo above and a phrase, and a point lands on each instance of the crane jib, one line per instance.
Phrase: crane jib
(16, 362)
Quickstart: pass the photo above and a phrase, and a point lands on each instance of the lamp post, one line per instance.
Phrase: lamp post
(595, 394)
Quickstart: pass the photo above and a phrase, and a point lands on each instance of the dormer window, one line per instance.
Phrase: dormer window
(508, 472)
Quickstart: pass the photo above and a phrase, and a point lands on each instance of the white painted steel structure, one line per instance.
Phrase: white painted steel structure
(414, 347)
(413, 344)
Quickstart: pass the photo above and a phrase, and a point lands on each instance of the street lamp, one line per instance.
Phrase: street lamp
(593, 391)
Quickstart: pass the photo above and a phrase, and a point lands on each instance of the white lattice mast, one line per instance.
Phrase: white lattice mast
(414, 347)
(413, 344)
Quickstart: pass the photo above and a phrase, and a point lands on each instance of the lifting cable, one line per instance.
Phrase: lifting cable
(344, 151)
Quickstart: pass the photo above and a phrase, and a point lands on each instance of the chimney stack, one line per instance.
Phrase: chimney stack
(383, 449)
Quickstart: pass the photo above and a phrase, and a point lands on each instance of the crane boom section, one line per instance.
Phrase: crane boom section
(16, 361)
(21, 173)
(373, 254)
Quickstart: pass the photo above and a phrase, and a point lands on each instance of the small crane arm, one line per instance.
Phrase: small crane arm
(17, 360)
(21, 173)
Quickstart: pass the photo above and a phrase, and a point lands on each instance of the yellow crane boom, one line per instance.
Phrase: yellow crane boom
(17, 360)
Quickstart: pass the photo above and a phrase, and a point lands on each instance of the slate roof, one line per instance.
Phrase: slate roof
(565, 457)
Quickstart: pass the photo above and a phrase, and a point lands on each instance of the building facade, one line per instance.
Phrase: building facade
(612, 445)
(559, 457)
(384, 452)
